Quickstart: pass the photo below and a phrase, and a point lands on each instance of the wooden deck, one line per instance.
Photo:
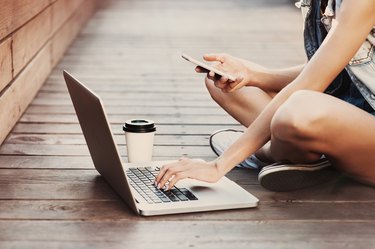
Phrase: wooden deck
(52, 197)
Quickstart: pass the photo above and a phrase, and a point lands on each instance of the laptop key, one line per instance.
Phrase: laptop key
(156, 200)
(172, 197)
(142, 180)
(165, 199)
(182, 197)
(188, 194)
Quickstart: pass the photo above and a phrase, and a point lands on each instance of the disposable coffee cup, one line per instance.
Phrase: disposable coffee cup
(139, 135)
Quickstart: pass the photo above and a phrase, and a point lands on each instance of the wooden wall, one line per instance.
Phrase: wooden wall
(34, 35)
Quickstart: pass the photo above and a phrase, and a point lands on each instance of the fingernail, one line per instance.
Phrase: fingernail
(158, 186)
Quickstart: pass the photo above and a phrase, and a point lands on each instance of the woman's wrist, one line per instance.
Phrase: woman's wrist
(222, 167)
(257, 76)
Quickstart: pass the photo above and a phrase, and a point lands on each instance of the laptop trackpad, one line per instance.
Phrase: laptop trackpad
(202, 189)
(222, 190)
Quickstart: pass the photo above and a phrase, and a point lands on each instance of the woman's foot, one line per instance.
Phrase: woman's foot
(220, 140)
(281, 177)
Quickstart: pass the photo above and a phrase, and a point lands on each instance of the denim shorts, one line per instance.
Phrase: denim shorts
(344, 89)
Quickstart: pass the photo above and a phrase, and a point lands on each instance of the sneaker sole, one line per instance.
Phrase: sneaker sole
(288, 178)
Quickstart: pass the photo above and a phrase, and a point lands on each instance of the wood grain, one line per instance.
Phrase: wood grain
(145, 110)
(78, 139)
(185, 234)
(66, 34)
(5, 63)
(162, 129)
(166, 118)
(59, 162)
(174, 151)
(62, 10)
(15, 13)
(51, 196)
(57, 184)
(23, 89)
(117, 210)
(28, 40)
(30, 27)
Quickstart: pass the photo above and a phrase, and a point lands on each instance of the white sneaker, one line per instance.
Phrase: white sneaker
(222, 139)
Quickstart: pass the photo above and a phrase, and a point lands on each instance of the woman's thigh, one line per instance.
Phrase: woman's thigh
(244, 105)
(317, 123)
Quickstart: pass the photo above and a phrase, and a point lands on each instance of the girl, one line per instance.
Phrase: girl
(302, 119)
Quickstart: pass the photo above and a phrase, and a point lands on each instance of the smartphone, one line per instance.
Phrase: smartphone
(207, 67)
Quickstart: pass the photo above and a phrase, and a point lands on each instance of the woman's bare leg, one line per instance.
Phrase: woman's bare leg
(243, 105)
(310, 124)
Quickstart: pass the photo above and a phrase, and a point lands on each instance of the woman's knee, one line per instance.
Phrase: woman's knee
(298, 118)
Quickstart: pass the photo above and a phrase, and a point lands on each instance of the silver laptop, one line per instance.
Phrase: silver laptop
(134, 182)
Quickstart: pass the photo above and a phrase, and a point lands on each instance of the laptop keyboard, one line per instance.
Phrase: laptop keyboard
(142, 180)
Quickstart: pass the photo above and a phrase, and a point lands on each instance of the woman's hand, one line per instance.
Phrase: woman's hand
(244, 71)
(197, 169)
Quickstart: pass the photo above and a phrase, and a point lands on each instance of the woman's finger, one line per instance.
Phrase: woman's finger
(223, 80)
(199, 69)
(236, 84)
(170, 173)
(177, 177)
(164, 169)
(162, 172)
(214, 57)
(221, 83)
(211, 75)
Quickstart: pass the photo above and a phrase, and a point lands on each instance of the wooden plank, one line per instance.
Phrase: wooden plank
(180, 77)
(94, 188)
(159, 119)
(123, 110)
(126, 96)
(61, 11)
(6, 12)
(117, 210)
(174, 151)
(28, 40)
(46, 162)
(62, 39)
(127, 103)
(78, 139)
(23, 89)
(5, 63)
(186, 88)
(162, 129)
(15, 13)
(58, 162)
(57, 184)
(186, 234)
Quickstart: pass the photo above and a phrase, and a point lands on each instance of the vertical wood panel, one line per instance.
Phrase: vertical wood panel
(20, 50)
(62, 39)
(6, 15)
(17, 97)
(5, 63)
(62, 10)
(30, 38)
(15, 13)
